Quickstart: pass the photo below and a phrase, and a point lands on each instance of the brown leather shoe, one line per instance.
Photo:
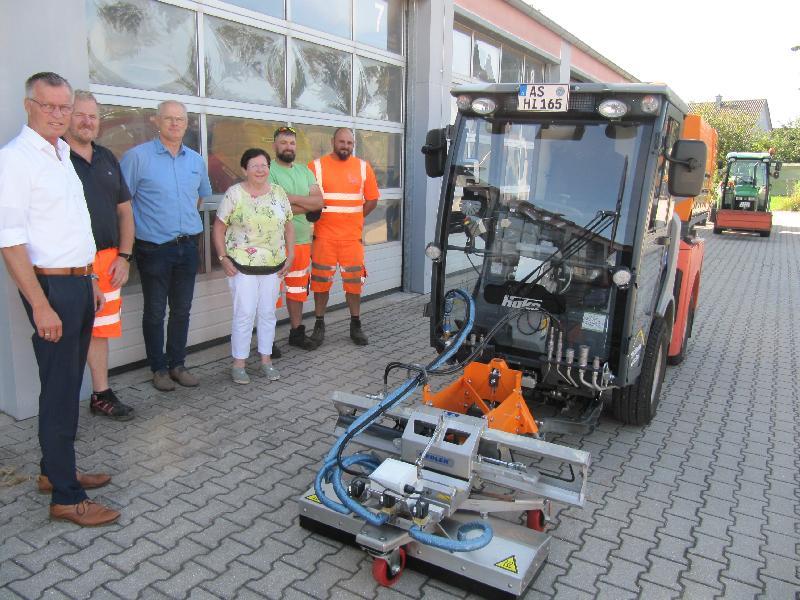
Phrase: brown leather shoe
(85, 514)
(183, 376)
(88, 481)
(162, 381)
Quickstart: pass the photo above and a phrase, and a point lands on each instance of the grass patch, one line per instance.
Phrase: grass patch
(791, 202)
(779, 202)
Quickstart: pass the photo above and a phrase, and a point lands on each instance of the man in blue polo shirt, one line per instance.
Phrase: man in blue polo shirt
(168, 182)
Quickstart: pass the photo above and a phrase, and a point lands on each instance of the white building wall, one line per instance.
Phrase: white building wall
(34, 36)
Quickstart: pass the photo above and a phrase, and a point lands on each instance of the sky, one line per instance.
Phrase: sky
(700, 48)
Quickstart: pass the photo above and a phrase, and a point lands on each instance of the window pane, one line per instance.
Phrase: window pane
(330, 16)
(462, 52)
(244, 63)
(535, 70)
(383, 223)
(142, 44)
(273, 8)
(384, 153)
(313, 141)
(379, 23)
(486, 61)
(512, 68)
(380, 89)
(322, 78)
(228, 138)
(123, 127)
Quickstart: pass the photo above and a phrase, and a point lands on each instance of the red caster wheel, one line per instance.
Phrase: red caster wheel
(382, 570)
(535, 520)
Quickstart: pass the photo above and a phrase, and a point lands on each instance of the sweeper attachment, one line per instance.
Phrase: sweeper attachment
(447, 485)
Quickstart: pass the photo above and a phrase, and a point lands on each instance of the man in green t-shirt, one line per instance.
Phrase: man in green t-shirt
(304, 196)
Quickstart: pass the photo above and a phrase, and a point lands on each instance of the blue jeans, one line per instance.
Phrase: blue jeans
(167, 272)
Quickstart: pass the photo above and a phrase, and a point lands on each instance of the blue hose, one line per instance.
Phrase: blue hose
(332, 472)
(462, 544)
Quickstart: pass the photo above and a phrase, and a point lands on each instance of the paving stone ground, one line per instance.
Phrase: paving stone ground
(702, 503)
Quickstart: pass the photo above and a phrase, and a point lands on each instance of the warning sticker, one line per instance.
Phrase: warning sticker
(508, 564)
(313, 498)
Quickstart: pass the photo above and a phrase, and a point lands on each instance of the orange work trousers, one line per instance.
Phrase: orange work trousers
(347, 254)
(108, 322)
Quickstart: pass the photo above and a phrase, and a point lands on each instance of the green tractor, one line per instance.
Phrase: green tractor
(744, 202)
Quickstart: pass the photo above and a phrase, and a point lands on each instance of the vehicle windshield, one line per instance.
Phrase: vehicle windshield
(747, 185)
(545, 204)
(748, 172)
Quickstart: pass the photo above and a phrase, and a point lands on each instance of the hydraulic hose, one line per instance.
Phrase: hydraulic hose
(462, 544)
(330, 472)
(334, 464)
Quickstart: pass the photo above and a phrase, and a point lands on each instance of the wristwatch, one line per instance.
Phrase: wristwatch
(125, 255)
(221, 256)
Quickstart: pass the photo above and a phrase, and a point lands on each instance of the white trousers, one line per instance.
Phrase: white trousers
(253, 295)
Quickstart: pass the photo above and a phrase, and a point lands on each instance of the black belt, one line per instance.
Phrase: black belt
(181, 239)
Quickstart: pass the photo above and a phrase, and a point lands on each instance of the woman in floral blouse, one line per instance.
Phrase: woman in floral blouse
(254, 238)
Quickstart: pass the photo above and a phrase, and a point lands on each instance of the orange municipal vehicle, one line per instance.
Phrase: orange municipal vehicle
(575, 212)
(565, 274)
(692, 211)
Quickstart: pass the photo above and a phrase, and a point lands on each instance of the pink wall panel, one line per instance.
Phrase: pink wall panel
(515, 22)
(595, 68)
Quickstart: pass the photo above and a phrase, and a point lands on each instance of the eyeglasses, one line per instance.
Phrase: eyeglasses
(66, 109)
(281, 130)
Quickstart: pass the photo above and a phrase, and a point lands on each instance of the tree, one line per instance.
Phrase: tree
(736, 130)
(786, 141)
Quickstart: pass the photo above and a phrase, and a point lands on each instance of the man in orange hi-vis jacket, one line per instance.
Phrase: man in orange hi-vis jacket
(349, 193)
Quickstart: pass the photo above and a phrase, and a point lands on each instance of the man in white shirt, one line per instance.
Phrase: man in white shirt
(47, 244)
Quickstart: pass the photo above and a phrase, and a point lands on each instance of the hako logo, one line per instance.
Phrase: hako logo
(520, 302)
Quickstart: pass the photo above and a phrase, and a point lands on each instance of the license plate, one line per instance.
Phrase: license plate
(543, 97)
(744, 205)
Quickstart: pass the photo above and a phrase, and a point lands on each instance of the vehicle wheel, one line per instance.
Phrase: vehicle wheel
(637, 403)
(381, 570)
(717, 230)
(678, 358)
(534, 519)
(764, 233)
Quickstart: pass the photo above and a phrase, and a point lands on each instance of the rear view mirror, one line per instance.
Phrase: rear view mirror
(687, 168)
(435, 151)
(776, 170)
(720, 164)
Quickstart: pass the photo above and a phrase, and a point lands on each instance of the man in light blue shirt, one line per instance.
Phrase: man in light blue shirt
(168, 182)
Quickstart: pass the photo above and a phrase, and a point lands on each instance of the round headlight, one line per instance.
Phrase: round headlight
(650, 104)
(433, 252)
(483, 106)
(622, 278)
(463, 102)
(612, 109)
